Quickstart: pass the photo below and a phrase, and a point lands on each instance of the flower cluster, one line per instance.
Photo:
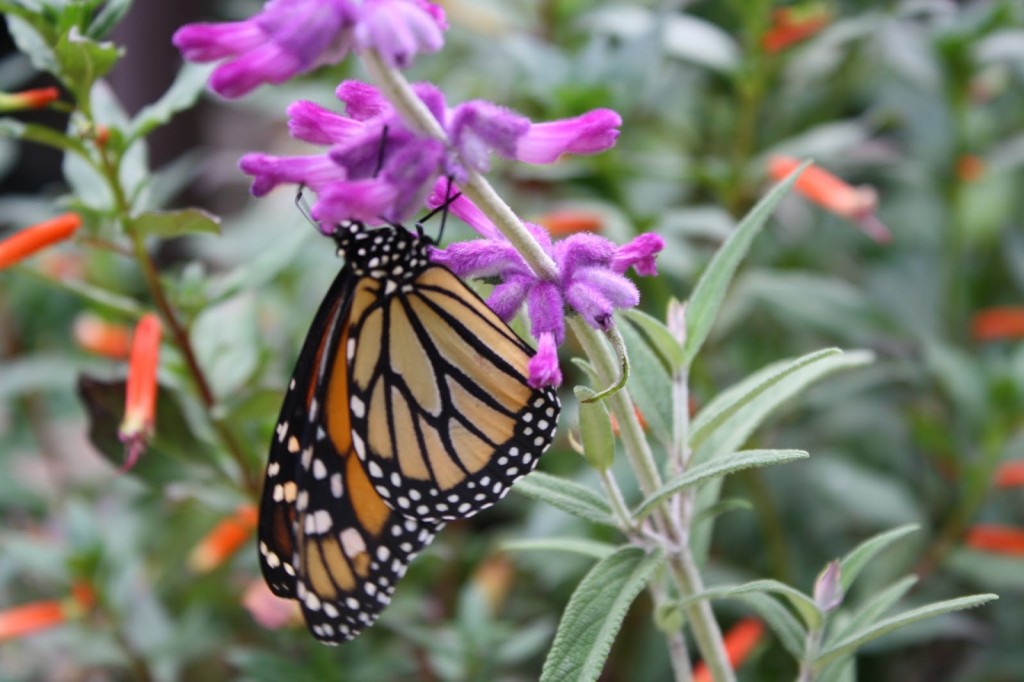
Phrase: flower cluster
(292, 37)
(591, 279)
(377, 169)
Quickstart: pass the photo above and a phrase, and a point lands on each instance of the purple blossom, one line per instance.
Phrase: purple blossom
(590, 279)
(385, 170)
(292, 37)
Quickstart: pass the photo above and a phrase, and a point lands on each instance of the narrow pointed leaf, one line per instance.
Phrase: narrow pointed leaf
(188, 85)
(803, 604)
(660, 338)
(719, 467)
(566, 495)
(852, 564)
(873, 609)
(851, 643)
(590, 548)
(175, 223)
(781, 620)
(707, 296)
(595, 613)
(649, 383)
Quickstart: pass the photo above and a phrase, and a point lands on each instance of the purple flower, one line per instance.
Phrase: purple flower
(590, 279)
(292, 37)
(385, 170)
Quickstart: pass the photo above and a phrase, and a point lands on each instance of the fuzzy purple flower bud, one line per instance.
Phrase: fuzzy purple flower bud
(590, 278)
(287, 38)
(593, 132)
(375, 152)
(399, 31)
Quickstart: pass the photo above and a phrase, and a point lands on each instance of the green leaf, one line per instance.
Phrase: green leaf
(36, 372)
(595, 613)
(105, 20)
(707, 295)
(32, 37)
(596, 432)
(183, 93)
(227, 344)
(175, 223)
(852, 564)
(851, 643)
(803, 604)
(719, 467)
(649, 383)
(781, 620)
(83, 61)
(590, 548)
(872, 609)
(658, 337)
(566, 495)
(722, 507)
(752, 399)
(40, 134)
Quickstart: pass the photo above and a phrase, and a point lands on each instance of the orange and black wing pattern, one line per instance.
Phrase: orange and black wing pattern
(442, 411)
(409, 406)
(326, 538)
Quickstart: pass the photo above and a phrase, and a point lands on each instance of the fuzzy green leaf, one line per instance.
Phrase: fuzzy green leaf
(659, 338)
(851, 643)
(176, 223)
(741, 408)
(745, 459)
(852, 564)
(710, 290)
(183, 93)
(649, 383)
(566, 495)
(40, 134)
(83, 61)
(595, 613)
(780, 619)
(873, 609)
(596, 432)
(590, 548)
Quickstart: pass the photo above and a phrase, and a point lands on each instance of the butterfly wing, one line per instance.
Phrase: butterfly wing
(443, 415)
(326, 537)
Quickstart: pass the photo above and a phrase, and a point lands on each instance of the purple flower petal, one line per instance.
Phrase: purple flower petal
(639, 254)
(362, 101)
(547, 310)
(367, 200)
(591, 305)
(543, 367)
(582, 250)
(287, 38)
(479, 258)
(508, 297)
(478, 127)
(313, 123)
(590, 133)
(618, 290)
(399, 29)
(270, 171)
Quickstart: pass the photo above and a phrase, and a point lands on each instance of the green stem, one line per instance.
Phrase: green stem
(179, 334)
(812, 644)
(681, 564)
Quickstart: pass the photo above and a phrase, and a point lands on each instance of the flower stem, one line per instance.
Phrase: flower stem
(414, 112)
(681, 564)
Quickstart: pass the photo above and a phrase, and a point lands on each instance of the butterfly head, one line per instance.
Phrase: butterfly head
(388, 252)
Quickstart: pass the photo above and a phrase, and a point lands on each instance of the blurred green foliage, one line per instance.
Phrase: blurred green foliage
(922, 100)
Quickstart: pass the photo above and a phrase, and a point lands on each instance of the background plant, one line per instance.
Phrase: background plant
(918, 100)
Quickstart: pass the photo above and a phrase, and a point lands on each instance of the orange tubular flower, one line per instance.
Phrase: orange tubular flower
(1005, 540)
(571, 221)
(26, 242)
(1010, 475)
(790, 26)
(224, 540)
(29, 99)
(970, 167)
(739, 642)
(98, 336)
(993, 324)
(856, 204)
(140, 396)
(30, 618)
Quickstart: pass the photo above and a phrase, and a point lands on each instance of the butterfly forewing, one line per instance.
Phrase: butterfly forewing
(442, 404)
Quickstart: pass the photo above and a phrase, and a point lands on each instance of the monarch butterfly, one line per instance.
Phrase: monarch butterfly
(409, 406)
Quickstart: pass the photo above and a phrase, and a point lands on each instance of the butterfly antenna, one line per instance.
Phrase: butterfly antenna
(442, 209)
(300, 203)
(380, 152)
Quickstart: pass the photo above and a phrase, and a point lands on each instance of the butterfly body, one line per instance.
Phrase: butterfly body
(409, 406)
